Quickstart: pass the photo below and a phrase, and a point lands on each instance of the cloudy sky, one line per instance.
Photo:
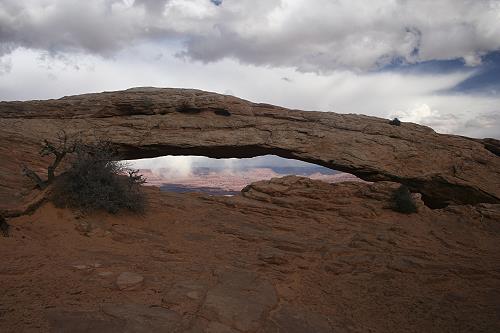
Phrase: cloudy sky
(434, 62)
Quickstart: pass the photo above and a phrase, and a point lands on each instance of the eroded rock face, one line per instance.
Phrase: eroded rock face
(149, 122)
(288, 255)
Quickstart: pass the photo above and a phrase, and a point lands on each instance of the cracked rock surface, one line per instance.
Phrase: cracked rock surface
(287, 255)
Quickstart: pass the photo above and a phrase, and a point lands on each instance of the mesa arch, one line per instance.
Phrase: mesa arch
(150, 122)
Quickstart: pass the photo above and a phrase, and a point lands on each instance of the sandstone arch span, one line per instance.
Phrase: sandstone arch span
(150, 122)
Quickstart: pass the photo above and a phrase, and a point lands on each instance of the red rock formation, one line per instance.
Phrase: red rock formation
(288, 255)
(149, 122)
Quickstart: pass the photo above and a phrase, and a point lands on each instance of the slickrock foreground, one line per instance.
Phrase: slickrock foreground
(148, 122)
(287, 255)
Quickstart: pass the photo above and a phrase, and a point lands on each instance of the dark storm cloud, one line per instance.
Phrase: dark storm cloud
(317, 36)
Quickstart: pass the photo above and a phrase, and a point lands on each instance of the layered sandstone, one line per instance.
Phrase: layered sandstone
(149, 122)
(287, 255)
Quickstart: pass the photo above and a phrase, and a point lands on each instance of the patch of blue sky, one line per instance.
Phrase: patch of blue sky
(485, 78)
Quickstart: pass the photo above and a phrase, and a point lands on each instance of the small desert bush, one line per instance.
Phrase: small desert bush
(403, 201)
(395, 122)
(96, 180)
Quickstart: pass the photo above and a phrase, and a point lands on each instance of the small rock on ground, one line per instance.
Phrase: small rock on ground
(129, 281)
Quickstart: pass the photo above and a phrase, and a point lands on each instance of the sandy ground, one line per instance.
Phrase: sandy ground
(298, 256)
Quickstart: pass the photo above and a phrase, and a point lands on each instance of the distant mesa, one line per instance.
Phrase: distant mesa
(216, 180)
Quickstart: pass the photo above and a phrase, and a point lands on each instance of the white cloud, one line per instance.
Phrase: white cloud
(319, 36)
(423, 114)
(176, 167)
(485, 124)
(472, 60)
(5, 64)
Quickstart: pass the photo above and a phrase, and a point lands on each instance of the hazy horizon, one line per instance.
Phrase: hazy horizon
(184, 165)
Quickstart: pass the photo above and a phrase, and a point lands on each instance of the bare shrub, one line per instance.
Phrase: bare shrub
(96, 180)
(395, 122)
(59, 150)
